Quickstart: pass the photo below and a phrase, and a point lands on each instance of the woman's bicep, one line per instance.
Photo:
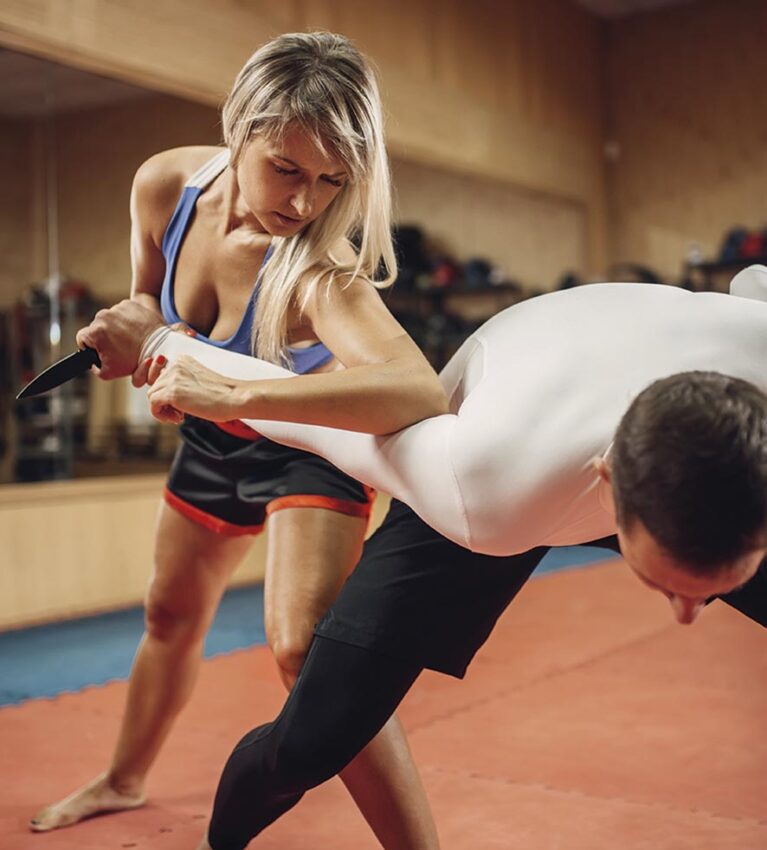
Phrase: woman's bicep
(151, 205)
(352, 320)
(147, 265)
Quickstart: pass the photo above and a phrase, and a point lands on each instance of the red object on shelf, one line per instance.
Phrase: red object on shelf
(754, 245)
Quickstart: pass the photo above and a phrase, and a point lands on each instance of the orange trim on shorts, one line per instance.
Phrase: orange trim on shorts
(239, 429)
(340, 506)
(212, 523)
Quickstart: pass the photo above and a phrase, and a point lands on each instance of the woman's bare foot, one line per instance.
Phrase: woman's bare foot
(94, 798)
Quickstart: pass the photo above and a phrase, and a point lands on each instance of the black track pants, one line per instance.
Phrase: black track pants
(751, 599)
(343, 697)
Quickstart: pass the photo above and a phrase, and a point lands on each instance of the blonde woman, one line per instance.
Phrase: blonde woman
(303, 168)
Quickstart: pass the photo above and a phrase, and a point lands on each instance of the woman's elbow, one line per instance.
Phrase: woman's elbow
(435, 398)
(426, 399)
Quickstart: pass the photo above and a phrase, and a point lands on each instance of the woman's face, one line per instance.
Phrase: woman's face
(289, 183)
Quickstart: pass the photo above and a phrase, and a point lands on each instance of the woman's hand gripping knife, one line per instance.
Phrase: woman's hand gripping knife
(118, 335)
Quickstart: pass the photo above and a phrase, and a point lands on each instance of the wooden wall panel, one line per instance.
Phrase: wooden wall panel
(534, 237)
(81, 547)
(685, 108)
(187, 47)
(509, 90)
(15, 210)
(99, 152)
(506, 89)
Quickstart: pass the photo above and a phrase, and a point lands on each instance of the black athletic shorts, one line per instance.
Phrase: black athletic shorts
(416, 595)
(230, 482)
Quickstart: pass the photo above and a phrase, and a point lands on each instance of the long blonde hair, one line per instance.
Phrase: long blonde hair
(321, 83)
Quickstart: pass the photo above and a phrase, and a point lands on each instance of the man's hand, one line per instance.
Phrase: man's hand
(118, 335)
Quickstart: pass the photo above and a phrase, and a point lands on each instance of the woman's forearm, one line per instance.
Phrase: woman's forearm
(377, 399)
(151, 302)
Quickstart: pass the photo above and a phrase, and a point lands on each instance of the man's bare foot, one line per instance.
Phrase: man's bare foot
(94, 798)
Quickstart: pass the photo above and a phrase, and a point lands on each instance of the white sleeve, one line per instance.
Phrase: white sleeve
(750, 283)
(413, 465)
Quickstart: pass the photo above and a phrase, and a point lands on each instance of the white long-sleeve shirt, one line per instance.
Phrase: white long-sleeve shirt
(535, 395)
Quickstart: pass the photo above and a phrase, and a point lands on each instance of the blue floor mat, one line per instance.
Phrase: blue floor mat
(48, 660)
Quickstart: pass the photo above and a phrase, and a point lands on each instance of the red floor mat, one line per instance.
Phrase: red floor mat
(589, 721)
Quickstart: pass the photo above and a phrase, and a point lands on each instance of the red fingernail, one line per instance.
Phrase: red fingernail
(162, 360)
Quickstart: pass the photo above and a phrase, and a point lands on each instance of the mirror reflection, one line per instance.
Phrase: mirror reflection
(71, 143)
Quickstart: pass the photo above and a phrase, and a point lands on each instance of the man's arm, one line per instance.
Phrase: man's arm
(413, 465)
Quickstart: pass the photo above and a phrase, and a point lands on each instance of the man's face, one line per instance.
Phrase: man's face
(686, 592)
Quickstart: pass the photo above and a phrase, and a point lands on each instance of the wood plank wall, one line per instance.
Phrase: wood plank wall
(79, 547)
(534, 236)
(685, 101)
(507, 89)
(16, 226)
(72, 548)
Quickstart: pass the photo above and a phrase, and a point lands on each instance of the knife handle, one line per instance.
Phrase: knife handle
(93, 356)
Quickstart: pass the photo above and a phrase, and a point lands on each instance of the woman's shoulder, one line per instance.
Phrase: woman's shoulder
(160, 180)
(165, 173)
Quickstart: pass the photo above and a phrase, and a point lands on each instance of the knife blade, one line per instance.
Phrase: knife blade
(60, 372)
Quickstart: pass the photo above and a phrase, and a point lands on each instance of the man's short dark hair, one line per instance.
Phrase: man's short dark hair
(690, 461)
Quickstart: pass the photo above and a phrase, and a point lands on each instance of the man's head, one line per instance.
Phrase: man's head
(688, 474)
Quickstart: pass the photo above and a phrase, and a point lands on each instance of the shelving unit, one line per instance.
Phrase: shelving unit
(716, 275)
(48, 428)
(440, 318)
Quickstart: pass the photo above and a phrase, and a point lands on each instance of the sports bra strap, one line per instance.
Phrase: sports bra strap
(208, 172)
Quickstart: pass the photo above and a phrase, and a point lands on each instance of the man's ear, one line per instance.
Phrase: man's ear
(603, 469)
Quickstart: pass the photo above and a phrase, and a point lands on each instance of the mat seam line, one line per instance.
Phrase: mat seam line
(536, 680)
(498, 780)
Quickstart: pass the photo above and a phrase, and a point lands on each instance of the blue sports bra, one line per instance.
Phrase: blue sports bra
(301, 359)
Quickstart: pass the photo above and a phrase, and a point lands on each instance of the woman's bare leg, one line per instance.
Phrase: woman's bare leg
(311, 552)
(192, 567)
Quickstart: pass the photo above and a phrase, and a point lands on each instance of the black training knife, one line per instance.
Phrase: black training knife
(60, 372)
